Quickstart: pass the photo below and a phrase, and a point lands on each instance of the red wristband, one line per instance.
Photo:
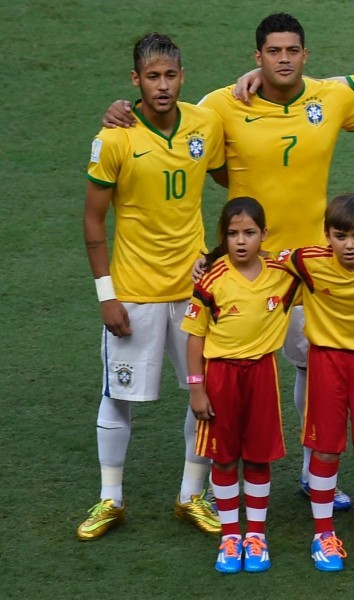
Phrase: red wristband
(195, 379)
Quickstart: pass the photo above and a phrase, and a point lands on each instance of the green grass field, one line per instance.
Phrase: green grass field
(62, 64)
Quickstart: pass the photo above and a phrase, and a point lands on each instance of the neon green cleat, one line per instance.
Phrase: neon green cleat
(199, 512)
(104, 516)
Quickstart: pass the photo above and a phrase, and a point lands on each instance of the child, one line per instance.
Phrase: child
(236, 319)
(328, 298)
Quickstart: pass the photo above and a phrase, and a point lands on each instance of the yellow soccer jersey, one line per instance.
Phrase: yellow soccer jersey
(241, 318)
(328, 296)
(158, 183)
(281, 155)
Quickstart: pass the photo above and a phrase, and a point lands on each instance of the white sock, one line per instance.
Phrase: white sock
(193, 480)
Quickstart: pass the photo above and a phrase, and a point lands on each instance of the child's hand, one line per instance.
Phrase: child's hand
(200, 404)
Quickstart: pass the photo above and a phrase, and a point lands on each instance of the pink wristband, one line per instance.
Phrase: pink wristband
(195, 379)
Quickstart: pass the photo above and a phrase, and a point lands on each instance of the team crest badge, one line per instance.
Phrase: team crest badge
(272, 303)
(314, 113)
(196, 147)
(124, 374)
(283, 256)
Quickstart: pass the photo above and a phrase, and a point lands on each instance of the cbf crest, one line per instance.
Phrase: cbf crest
(314, 113)
(196, 147)
(124, 374)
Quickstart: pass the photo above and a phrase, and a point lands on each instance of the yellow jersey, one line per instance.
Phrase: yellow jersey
(241, 318)
(281, 155)
(157, 186)
(327, 295)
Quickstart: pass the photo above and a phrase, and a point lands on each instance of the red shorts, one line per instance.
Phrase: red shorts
(246, 401)
(330, 399)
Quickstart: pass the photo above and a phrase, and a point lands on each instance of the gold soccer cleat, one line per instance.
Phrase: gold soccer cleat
(199, 512)
(104, 516)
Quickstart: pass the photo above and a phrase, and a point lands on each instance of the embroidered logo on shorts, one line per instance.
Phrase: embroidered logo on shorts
(272, 303)
(213, 445)
(192, 311)
(124, 374)
(313, 435)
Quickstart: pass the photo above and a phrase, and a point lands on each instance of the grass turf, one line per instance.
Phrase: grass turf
(62, 65)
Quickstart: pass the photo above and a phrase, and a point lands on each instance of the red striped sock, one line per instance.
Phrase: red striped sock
(227, 495)
(256, 493)
(322, 481)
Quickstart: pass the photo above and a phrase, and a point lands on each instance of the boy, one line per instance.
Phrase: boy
(328, 298)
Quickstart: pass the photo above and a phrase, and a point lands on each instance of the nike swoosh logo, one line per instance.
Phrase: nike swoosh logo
(98, 524)
(136, 155)
(249, 120)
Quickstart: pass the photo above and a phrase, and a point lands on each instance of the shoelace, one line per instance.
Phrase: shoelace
(332, 546)
(257, 545)
(202, 501)
(98, 509)
(229, 546)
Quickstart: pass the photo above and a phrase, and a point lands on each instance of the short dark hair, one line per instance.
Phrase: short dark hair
(340, 213)
(152, 47)
(236, 206)
(276, 23)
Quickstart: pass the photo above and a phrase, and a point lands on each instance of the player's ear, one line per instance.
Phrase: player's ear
(327, 236)
(264, 235)
(306, 53)
(182, 76)
(258, 58)
(134, 76)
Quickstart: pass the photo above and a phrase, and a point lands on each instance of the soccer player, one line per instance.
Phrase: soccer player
(279, 150)
(236, 320)
(328, 299)
(153, 175)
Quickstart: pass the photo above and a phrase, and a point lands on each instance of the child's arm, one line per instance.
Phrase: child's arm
(198, 399)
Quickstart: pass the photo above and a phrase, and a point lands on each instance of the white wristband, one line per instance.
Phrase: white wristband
(104, 288)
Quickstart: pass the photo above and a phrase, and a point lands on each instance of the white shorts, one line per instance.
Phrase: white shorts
(132, 365)
(295, 348)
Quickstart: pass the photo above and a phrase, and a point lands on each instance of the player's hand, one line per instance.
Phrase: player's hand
(247, 85)
(119, 113)
(198, 269)
(200, 403)
(116, 318)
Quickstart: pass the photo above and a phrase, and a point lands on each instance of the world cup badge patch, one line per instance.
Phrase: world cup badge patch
(196, 147)
(124, 374)
(314, 113)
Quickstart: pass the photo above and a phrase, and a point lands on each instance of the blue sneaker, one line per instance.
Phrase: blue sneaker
(327, 552)
(256, 555)
(230, 556)
(341, 500)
